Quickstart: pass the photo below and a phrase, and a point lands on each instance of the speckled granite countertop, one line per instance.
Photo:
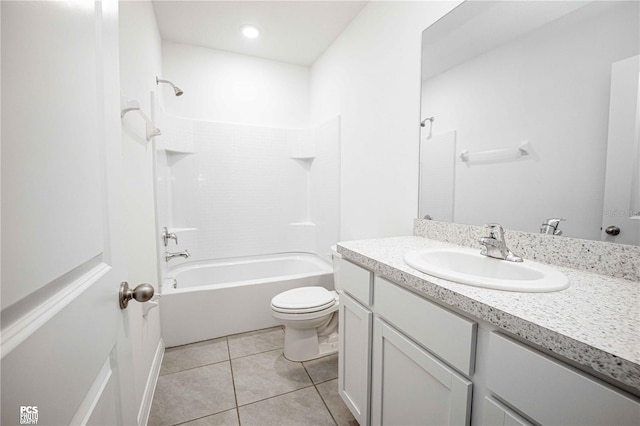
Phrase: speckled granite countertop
(595, 322)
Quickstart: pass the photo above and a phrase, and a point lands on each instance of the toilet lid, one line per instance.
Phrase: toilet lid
(303, 298)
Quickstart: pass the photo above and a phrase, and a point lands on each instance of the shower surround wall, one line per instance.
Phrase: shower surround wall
(248, 190)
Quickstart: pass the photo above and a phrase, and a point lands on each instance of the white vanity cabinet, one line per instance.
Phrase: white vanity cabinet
(400, 368)
(405, 360)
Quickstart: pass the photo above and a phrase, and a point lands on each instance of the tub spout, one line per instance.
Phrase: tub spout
(168, 256)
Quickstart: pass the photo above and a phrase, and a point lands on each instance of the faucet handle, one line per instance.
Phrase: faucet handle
(495, 230)
(550, 226)
(553, 221)
(166, 236)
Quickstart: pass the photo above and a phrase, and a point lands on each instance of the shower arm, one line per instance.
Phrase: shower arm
(176, 89)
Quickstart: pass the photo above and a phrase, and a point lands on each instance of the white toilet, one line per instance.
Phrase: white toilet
(310, 318)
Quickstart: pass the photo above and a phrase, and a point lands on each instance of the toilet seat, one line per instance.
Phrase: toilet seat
(304, 300)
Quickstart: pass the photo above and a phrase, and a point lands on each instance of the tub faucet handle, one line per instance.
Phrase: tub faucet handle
(166, 236)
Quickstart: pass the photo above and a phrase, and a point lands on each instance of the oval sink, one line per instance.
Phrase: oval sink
(468, 266)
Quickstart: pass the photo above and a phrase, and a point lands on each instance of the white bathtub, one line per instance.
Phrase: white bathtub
(221, 297)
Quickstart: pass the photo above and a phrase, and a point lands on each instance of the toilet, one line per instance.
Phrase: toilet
(310, 319)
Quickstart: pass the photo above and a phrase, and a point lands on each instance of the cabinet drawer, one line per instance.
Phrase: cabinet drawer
(446, 334)
(355, 280)
(551, 392)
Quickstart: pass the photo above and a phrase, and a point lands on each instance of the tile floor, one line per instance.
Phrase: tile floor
(244, 379)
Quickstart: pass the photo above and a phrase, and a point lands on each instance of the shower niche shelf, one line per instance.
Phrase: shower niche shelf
(302, 150)
(172, 151)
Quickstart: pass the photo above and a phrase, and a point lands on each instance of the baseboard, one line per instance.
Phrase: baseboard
(152, 380)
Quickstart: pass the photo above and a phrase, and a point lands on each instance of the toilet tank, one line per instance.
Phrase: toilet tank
(335, 258)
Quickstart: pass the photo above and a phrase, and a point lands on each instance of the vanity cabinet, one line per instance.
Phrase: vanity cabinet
(411, 386)
(406, 360)
(400, 368)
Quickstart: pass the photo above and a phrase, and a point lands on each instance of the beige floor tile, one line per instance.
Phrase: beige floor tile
(322, 369)
(342, 415)
(191, 394)
(256, 341)
(299, 408)
(226, 418)
(265, 375)
(198, 354)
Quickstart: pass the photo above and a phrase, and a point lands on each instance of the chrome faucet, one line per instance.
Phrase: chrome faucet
(550, 226)
(495, 246)
(168, 256)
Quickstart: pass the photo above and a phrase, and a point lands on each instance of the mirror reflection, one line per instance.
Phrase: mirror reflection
(530, 118)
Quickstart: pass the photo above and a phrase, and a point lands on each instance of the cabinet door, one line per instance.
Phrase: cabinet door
(411, 387)
(496, 414)
(354, 362)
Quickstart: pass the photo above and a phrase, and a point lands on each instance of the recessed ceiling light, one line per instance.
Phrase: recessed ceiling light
(250, 31)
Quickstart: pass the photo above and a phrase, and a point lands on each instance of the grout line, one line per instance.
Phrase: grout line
(225, 337)
(275, 396)
(256, 331)
(258, 353)
(325, 381)
(196, 343)
(325, 404)
(307, 371)
(319, 394)
(202, 417)
(193, 368)
(233, 381)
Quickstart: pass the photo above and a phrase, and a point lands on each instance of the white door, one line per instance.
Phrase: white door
(622, 182)
(66, 357)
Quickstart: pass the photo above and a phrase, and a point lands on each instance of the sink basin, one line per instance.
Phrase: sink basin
(468, 266)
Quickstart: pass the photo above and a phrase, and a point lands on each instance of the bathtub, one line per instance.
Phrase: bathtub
(208, 299)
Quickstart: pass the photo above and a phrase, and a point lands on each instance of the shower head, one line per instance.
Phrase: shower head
(424, 122)
(176, 89)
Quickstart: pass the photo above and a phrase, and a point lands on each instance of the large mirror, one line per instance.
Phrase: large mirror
(530, 112)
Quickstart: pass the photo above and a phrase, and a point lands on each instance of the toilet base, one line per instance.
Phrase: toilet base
(305, 345)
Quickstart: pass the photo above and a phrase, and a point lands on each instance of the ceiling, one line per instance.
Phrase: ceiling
(297, 32)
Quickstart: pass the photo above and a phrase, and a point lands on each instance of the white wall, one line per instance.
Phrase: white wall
(232, 88)
(550, 87)
(140, 62)
(370, 76)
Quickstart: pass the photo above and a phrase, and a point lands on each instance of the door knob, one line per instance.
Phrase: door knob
(142, 293)
(612, 230)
